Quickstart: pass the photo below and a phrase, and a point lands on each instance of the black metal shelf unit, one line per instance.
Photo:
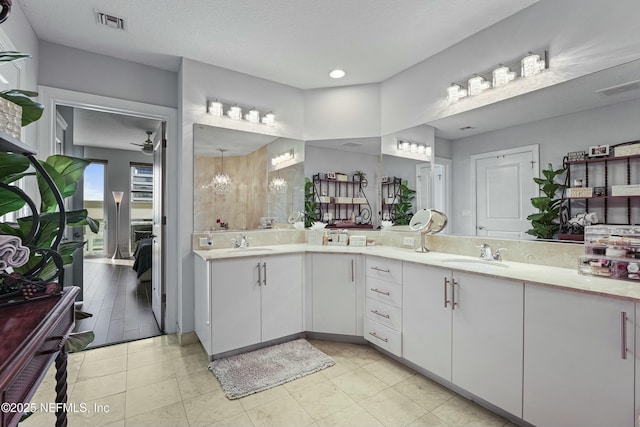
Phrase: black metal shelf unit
(339, 201)
(390, 194)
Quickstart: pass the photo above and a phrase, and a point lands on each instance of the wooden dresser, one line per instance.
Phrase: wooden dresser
(32, 335)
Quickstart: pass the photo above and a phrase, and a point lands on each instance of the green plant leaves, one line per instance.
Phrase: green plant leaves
(545, 224)
(78, 341)
(31, 110)
(65, 172)
(12, 55)
(13, 165)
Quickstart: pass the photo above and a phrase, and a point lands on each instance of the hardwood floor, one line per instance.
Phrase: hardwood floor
(121, 306)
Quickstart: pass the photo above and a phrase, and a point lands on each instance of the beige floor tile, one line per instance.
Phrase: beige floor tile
(459, 411)
(185, 350)
(306, 381)
(429, 420)
(188, 364)
(361, 355)
(424, 392)
(359, 384)
(263, 397)
(147, 357)
(104, 352)
(322, 400)
(145, 344)
(77, 357)
(327, 347)
(119, 423)
(167, 416)
(283, 412)
(102, 367)
(389, 371)
(240, 420)
(73, 369)
(352, 416)
(151, 374)
(113, 409)
(343, 365)
(211, 408)
(392, 408)
(150, 397)
(95, 388)
(197, 383)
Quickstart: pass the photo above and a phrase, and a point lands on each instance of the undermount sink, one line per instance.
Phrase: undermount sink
(476, 261)
(257, 249)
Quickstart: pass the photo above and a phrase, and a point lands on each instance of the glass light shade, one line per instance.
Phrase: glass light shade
(253, 116)
(455, 92)
(531, 65)
(278, 185)
(421, 149)
(215, 108)
(221, 183)
(118, 196)
(477, 84)
(269, 119)
(502, 75)
(235, 112)
(414, 147)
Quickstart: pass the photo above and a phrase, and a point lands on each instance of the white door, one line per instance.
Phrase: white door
(575, 370)
(504, 188)
(424, 187)
(281, 296)
(158, 299)
(334, 294)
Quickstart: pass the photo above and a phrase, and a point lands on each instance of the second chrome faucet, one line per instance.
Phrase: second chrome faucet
(485, 253)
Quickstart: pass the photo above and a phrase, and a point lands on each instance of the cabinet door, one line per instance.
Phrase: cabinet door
(487, 339)
(281, 296)
(426, 318)
(235, 303)
(334, 293)
(202, 303)
(574, 370)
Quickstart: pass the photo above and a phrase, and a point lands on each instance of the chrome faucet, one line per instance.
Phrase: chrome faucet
(485, 253)
(241, 242)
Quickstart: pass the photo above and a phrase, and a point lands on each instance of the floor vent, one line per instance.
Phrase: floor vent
(110, 21)
(624, 87)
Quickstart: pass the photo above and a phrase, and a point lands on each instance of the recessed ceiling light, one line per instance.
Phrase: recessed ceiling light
(337, 74)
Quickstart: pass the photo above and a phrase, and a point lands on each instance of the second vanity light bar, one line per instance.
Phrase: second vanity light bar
(235, 112)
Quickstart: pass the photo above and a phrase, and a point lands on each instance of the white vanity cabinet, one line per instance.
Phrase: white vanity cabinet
(251, 300)
(578, 359)
(466, 328)
(337, 293)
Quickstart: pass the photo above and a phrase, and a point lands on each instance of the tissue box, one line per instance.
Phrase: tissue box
(580, 192)
(343, 199)
(357, 240)
(341, 177)
(626, 150)
(625, 190)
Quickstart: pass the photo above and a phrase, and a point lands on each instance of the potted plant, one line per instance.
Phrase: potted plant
(545, 224)
(402, 211)
(310, 204)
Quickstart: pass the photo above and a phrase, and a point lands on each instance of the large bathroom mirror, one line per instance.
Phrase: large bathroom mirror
(266, 175)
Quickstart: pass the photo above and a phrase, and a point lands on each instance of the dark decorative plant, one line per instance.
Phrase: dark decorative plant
(31, 110)
(546, 223)
(310, 204)
(403, 210)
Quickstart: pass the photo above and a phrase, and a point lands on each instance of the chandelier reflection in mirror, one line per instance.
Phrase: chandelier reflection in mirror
(221, 182)
(278, 185)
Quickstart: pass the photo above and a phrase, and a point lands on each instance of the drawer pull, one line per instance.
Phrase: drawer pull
(624, 335)
(386, 316)
(373, 334)
(380, 292)
(384, 270)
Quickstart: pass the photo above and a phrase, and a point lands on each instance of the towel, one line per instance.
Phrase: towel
(12, 253)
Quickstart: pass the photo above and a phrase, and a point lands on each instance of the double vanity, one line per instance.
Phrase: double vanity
(539, 344)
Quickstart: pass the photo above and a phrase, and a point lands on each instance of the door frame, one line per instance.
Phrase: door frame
(447, 165)
(50, 97)
(533, 148)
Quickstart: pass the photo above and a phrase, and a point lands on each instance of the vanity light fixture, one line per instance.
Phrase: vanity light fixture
(253, 116)
(413, 147)
(221, 182)
(502, 75)
(269, 119)
(281, 158)
(532, 64)
(337, 73)
(455, 92)
(477, 84)
(235, 112)
(215, 107)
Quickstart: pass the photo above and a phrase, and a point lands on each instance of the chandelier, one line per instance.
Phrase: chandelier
(278, 185)
(221, 182)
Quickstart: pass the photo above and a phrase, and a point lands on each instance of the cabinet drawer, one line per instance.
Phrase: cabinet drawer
(386, 314)
(383, 337)
(384, 269)
(386, 292)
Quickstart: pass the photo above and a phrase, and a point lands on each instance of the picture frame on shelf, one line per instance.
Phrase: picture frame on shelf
(573, 156)
(331, 175)
(599, 151)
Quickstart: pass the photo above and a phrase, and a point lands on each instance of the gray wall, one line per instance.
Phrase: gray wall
(557, 136)
(73, 69)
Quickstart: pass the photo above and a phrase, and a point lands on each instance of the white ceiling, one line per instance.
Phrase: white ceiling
(294, 42)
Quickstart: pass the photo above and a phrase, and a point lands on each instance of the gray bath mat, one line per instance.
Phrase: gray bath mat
(260, 370)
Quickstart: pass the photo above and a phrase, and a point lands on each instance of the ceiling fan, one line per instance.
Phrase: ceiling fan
(147, 147)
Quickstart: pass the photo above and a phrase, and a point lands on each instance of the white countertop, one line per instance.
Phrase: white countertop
(531, 273)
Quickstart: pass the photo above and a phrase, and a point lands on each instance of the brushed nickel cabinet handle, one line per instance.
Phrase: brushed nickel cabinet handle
(264, 266)
(446, 296)
(353, 270)
(454, 283)
(386, 316)
(373, 334)
(380, 292)
(384, 270)
(259, 275)
(624, 334)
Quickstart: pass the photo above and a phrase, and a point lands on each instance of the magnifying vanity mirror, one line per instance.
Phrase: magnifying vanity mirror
(427, 221)
(266, 173)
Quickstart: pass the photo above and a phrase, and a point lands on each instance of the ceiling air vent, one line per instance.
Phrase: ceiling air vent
(351, 144)
(110, 21)
(624, 87)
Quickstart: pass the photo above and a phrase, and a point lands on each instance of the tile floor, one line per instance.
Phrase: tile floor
(156, 382)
